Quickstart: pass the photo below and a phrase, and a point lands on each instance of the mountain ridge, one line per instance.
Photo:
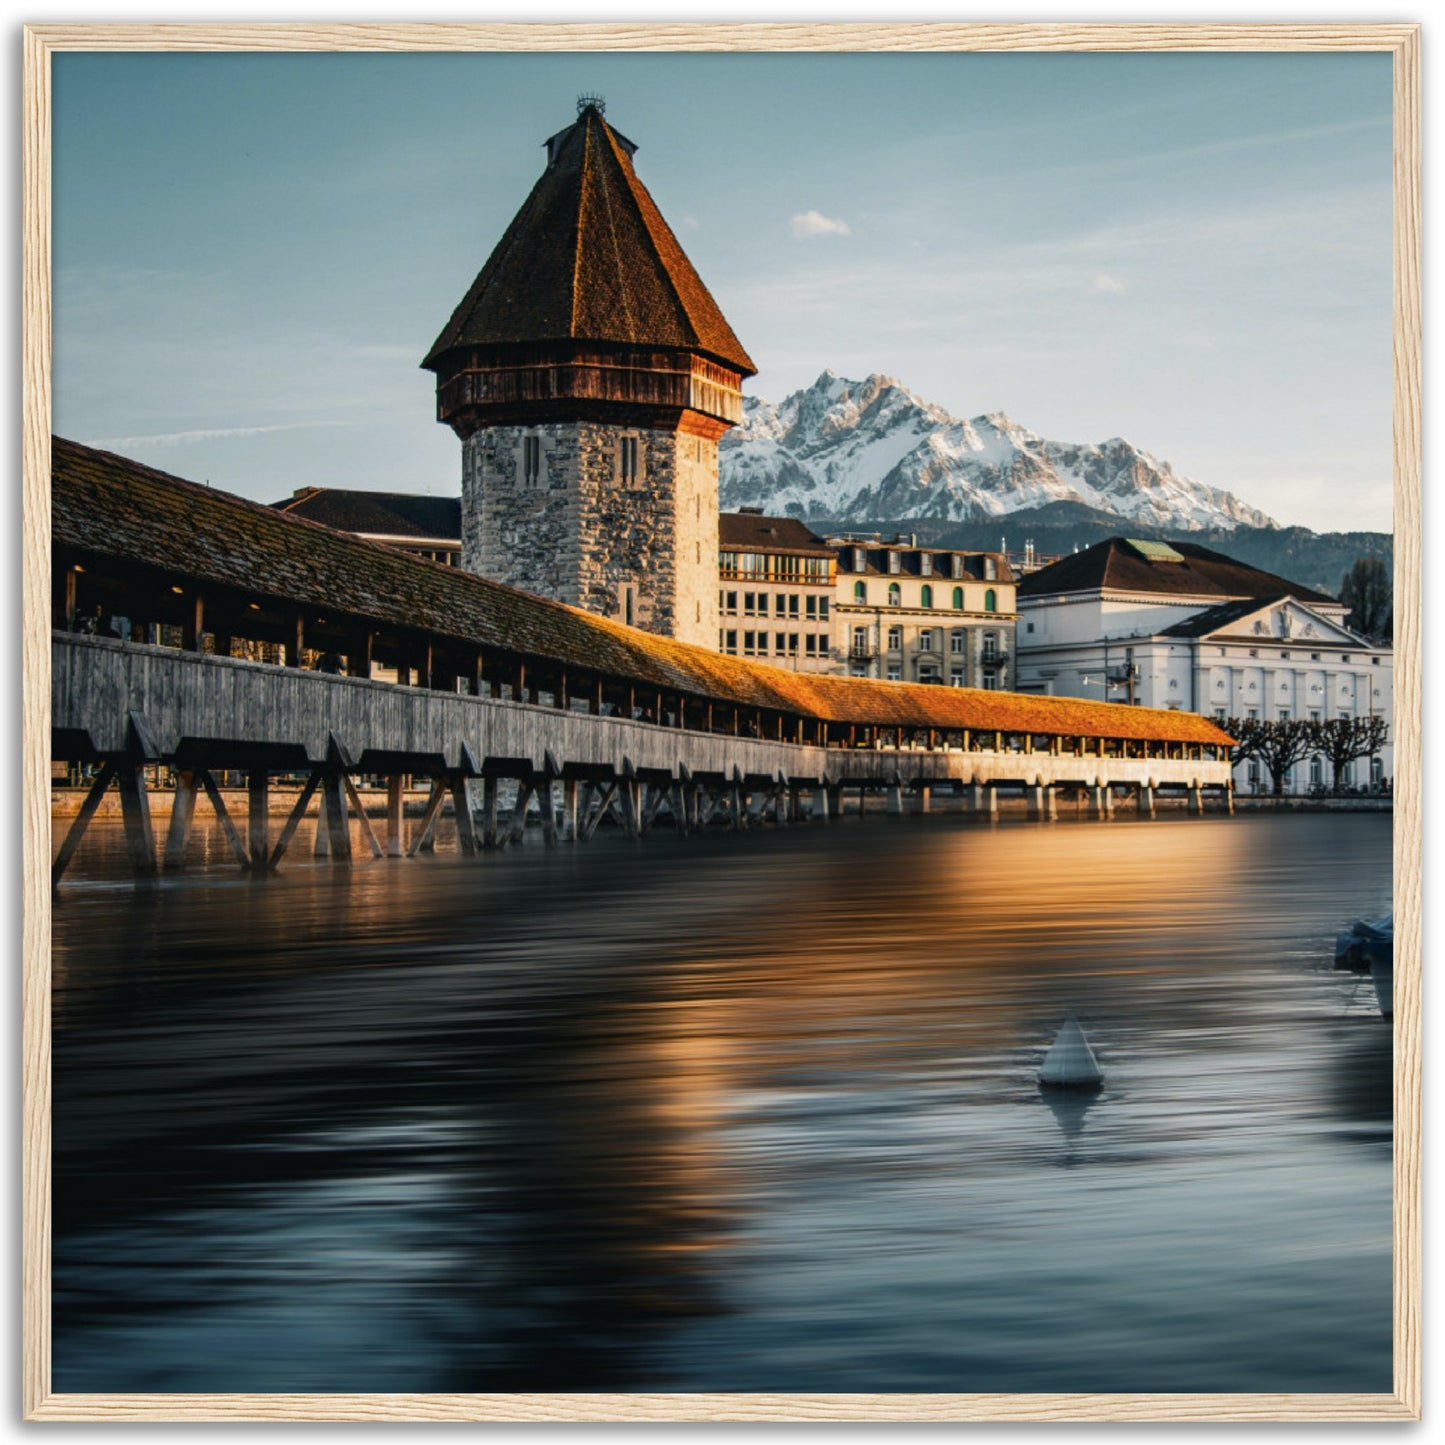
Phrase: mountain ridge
(845, 450)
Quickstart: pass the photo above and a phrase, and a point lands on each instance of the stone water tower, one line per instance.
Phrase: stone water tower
(589, 375)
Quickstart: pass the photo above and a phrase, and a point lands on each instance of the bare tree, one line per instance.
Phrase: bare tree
(1367, 590)
(1343, 739)
(1285, 743)
(1249, 737)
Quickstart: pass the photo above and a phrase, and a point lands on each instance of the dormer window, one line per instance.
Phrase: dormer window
(895, 561)
(957, 567)
(925, 564)
(990, 570)
(860, 560)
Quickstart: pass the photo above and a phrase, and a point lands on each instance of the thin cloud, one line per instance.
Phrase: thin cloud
(1109, 285)
(209, 434)
(815, 223)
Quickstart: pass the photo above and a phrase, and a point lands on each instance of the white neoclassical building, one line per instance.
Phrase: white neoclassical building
(1179, 626)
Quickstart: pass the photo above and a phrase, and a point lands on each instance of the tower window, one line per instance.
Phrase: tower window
(531, 460)
(627, 461)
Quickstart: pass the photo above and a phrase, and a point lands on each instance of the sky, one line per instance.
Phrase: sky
(252, 253)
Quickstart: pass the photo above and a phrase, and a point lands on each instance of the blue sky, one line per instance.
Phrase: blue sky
(253, 253)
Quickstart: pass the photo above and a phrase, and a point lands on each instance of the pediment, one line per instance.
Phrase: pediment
(1286, 621)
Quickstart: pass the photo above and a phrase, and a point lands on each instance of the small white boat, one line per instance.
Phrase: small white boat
(1070, 1062)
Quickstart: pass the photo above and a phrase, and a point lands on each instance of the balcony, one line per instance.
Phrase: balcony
(863, 651)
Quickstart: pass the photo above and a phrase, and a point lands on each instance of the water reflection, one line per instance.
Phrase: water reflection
(749, 1114)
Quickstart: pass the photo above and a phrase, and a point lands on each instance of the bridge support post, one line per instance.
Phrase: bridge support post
(1097, 804)
(818, 805)
(321, 848)
(457, 782)
(1229, 799)
(1035, 794)
(394, 824)
(895, 797)
(491, 819)
(1146, 801)
(925, 798)
(258, 815)
(547, 807)
(1196, 800)
(183, 812)
(136, 812)
(333, 809)
(1051, 802)
(990, 801)
(569, 810)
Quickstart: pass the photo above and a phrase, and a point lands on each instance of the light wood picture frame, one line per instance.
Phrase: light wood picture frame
(42, 42)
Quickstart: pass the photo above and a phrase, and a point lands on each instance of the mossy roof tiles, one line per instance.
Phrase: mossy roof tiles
(112, 507)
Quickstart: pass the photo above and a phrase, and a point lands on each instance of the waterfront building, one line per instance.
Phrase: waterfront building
(589, 374)
(1177, 626)
(911, 613)
(429, 527)
(775, 591)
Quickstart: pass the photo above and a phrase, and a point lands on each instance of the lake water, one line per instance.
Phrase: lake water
(745, 1112)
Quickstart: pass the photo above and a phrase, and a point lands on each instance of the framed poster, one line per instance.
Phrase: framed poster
(356, 1088)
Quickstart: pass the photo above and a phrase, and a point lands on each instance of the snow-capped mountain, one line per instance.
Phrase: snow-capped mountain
(870, 450)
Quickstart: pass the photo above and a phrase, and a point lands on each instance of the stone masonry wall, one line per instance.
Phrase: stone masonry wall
(584, 534)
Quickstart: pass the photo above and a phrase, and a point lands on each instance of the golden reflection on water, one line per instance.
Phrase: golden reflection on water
(735, 1113)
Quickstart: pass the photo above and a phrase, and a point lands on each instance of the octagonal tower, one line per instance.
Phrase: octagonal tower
(589, 375)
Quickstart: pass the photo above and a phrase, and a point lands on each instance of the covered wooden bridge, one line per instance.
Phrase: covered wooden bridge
(206, 632)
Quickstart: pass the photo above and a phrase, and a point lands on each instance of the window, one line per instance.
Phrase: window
(958, 641)
(792, 605)
(730, 642)
(990, 681)
(792, 644)
(990, 571)
(925, 640)
(860, 561)
(1314, 657)
(990, 647)
(925, 597)
(1345, 658)
(958, 599)
(1374, 661)
(955, 678)
(531, 460)
(1284, 714)
(956, 569)
(751, 646)
(860, 593)
(629, 605)
(895, 638)
(1284, 655)
(627, 460)
(925, 564)
(810, 608)
(860, 640)
(895, 595)
(990, 601)
(822, 609)
(895, 563)
(895, 672)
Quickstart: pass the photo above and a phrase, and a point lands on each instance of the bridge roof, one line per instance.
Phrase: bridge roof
(109, 506)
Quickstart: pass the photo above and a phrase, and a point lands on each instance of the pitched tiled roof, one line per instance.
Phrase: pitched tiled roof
(589, 258)
(1118, 565)
(768, 534)
(109, 506)
(378, 514)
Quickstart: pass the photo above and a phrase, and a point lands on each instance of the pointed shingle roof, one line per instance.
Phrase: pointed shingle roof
(589, 258)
